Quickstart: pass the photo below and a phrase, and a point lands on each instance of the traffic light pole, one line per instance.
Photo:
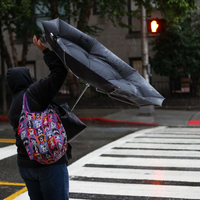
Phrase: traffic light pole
(145, 57)
(144, 38)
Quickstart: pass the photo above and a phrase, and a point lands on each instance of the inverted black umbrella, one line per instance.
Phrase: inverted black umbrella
(94, 63)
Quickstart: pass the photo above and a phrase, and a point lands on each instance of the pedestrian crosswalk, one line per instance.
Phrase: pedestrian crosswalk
(153, 164)
(161, 163)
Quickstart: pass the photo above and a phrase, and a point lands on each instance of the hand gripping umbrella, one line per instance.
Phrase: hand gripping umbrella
(94, 63)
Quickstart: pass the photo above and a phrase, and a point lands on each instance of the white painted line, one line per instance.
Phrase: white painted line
(159, 146)
(153, 153)
(138, 174)
(8, 151)
(173, 136)
(135, 190)
(179, 131)
(147, 162)
(167, 140)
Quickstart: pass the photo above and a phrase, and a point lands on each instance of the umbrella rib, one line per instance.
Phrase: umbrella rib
(120, 100)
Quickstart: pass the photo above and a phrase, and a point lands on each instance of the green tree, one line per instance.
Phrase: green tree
(15, 18)
(177, 51)
(173, 11)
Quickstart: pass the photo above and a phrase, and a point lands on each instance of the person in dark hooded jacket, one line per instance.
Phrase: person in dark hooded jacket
(44, 182)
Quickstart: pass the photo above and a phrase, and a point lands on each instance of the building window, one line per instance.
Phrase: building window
(41, 16)
(134, 21)
(136, 63)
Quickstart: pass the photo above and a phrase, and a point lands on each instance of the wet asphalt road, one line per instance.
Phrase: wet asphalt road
(94, 137)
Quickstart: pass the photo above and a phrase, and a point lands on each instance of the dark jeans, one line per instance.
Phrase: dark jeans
(47, 183)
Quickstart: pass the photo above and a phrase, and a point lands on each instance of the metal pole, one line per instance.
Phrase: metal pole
(145, 56)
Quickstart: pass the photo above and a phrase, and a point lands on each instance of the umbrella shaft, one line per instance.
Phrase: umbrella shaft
(86, 87)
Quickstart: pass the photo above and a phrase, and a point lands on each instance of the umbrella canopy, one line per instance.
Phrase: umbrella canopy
(94, 63)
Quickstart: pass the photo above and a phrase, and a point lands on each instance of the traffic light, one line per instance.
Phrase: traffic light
(155, 26)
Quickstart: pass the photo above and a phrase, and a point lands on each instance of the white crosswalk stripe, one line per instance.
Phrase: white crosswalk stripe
(8, 151)
(159, 163)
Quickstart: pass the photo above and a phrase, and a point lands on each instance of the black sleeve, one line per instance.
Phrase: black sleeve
(41, 93)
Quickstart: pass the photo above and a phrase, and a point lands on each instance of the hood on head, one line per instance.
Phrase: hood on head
(18, 78)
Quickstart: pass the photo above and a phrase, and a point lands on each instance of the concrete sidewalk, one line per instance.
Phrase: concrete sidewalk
(160, 117)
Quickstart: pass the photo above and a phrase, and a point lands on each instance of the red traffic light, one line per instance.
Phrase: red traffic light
(156, 26)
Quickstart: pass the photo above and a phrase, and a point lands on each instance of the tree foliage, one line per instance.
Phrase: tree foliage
(16, 19)
(80, 10)
(174, 11)
(177, 51)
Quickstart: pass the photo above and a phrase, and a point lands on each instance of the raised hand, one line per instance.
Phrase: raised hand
(38, 43)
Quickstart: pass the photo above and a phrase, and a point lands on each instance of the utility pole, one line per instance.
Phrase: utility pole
(145, 57)
(144, 38)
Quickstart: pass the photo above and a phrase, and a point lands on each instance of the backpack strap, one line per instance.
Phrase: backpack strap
(25, 103)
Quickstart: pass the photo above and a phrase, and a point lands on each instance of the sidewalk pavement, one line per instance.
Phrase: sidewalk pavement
(132, 117)
(161, 117)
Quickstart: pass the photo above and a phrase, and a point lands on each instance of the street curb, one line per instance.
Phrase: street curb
(102, 120)
(115, 122)
(4, 119)
(194, 122)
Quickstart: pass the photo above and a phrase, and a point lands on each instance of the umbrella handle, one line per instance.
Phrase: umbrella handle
(86, 87)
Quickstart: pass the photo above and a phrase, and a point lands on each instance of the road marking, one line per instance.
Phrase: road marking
(12, 196)
(7, 140)
(8, 151)
(155, 191)
(10, 183)
(138, 174)
(16, 194)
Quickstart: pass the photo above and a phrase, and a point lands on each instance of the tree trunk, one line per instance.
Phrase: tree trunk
(54, 9)
(85, 15)
(3, 79)
(6, 55)
(14, 51)
(24, 51)
(3, 82)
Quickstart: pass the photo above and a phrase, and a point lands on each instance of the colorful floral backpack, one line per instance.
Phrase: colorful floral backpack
(42, 134)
